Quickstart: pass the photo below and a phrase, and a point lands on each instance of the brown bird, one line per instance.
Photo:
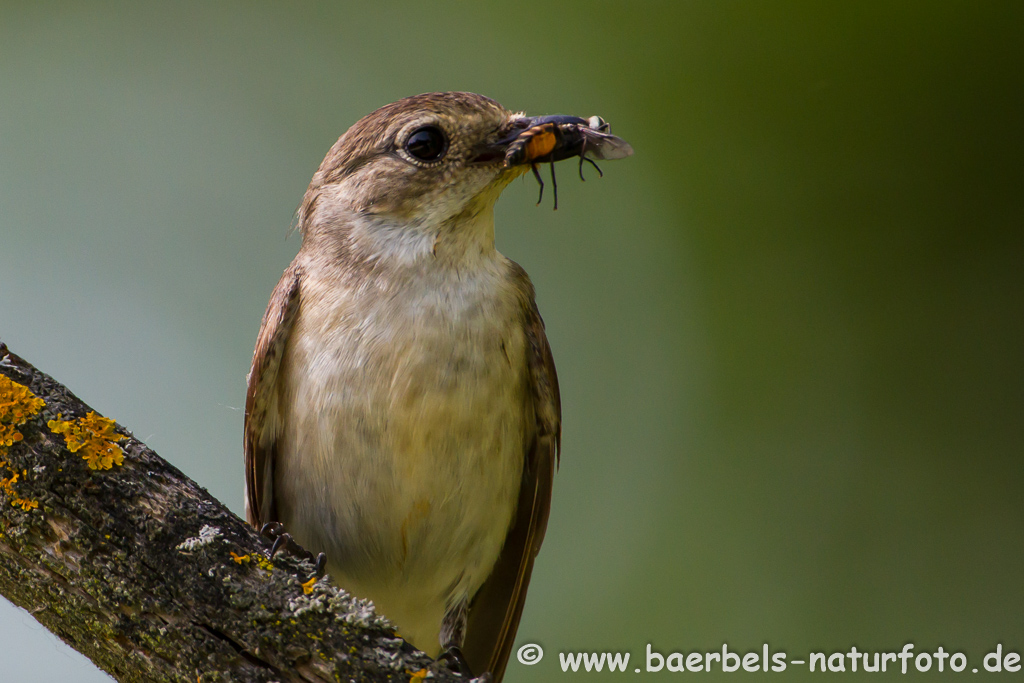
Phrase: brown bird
(402, 414)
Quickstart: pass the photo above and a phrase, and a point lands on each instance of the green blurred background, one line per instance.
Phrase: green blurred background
(789, 331)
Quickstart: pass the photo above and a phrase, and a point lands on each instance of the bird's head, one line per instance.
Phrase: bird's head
(420, 174)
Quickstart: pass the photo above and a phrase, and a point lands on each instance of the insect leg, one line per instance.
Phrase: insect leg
(554, 185)
(536, 174)
(592, 163)
(583, 155)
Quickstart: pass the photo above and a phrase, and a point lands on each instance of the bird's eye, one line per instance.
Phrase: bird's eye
(427, 143)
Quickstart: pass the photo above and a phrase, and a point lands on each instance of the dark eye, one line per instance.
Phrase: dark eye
(427, 143)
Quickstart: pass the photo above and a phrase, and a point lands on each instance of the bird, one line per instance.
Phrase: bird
(402, 414)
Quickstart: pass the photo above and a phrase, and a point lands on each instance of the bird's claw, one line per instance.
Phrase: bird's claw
(284, 541)
(271, 529)
(455, 659)
(320, 565)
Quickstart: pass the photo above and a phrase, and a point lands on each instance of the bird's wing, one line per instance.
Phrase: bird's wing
(495, 611)
(262, 421)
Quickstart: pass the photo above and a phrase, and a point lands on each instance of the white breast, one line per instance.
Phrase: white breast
(404, 430)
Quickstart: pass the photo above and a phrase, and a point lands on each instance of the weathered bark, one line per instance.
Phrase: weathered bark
(100, 563)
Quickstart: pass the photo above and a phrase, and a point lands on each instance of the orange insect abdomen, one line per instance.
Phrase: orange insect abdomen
(540, 144)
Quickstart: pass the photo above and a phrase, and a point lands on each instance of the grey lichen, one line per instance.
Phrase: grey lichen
(207, 535)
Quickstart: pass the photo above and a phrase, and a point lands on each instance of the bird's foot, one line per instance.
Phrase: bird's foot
(320, 565)
(284, 541)
(454, 658)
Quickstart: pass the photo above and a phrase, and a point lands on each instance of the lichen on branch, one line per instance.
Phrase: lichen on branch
(136, 566)
(94, 436)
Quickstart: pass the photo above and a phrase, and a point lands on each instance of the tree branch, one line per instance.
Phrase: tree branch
(150, 577)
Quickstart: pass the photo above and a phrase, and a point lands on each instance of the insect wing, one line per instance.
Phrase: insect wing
(604, 145)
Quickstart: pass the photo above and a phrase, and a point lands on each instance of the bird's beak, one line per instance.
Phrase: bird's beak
(541, 139)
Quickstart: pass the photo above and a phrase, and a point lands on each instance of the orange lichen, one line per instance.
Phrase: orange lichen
(261, 562)
(94, 436)
(25, 503)
(7, 486)
(416, 676)
(9, 435)
(18, 405)
(307, 587)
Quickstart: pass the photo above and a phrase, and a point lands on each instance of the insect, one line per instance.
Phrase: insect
(553, 138)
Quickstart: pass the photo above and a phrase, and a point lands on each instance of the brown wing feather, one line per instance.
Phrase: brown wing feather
(260, 399)
(498, 605)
